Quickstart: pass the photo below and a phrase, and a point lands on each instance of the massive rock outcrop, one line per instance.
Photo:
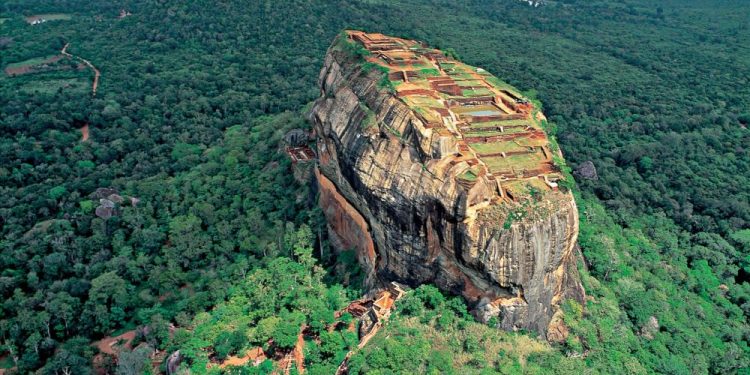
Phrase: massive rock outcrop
(436, 172)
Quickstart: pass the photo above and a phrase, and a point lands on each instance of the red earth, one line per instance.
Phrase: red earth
(30, 68)
(85, 133)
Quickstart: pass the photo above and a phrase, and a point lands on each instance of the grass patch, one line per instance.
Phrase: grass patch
(447, 66)
(492, 124)
(499, 84)
(429, 114)
(30, 62)
(488, 132)
(428, 72)
(457, 74)
(485, 133)
(469, 82)
(351, 47)
(370, 120)
(476, 92)
(514, 162)
(504, 146)
(422, 101)
(469, 175)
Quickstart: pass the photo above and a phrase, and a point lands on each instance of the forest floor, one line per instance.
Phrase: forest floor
(254, 356)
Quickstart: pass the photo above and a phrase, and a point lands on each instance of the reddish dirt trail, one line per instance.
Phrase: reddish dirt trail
(97, 74)
(106, 345)
(299, 356)
(253, 356)
(85, 133)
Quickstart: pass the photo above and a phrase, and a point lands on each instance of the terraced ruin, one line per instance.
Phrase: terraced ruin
(497, 131)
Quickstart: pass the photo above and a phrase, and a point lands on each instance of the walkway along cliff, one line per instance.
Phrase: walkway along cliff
(437, 172)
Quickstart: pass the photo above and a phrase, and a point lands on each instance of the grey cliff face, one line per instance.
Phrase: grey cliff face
(416, 223)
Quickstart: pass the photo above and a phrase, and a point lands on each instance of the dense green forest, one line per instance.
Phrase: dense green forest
(216, 247)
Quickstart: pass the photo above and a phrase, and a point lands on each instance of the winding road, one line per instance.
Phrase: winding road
(88, 63)
(85, 128)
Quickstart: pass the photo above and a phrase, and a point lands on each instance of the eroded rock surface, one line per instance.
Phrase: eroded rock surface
(423, 197)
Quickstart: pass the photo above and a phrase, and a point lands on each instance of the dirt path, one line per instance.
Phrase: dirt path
(299, 356)
(85, 133)
(254, 356)
(107, 344)
(97, 74)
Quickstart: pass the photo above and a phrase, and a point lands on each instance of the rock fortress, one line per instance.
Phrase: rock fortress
(435, 171)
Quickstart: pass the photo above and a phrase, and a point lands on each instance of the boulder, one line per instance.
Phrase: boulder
(650, 328)
(106, 208)
(103, 193)
(173, 362)
(296, 137)
(586, 171)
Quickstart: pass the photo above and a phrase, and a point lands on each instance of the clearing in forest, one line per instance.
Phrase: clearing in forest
(41, 18)
(85, 133)
(112, 345)
(31, 65)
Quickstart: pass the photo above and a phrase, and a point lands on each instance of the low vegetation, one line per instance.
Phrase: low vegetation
(195, 97)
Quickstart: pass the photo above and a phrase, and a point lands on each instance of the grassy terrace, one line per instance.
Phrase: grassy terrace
(508, 123)
(474, 109)
(495, 147)
(470, 82)
(514, 162)
(523, 187)
(476, 92)
(422, 101)
(486, 133)
(492, 131)
(428, 114)
(459, 81)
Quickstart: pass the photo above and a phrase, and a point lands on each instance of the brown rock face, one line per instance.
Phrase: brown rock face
(349, 228)
(397, 187)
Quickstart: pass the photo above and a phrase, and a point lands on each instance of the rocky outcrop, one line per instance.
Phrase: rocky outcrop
(586, 171)
(394, 190)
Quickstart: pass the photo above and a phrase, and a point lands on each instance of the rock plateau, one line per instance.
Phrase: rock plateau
(434, 171)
